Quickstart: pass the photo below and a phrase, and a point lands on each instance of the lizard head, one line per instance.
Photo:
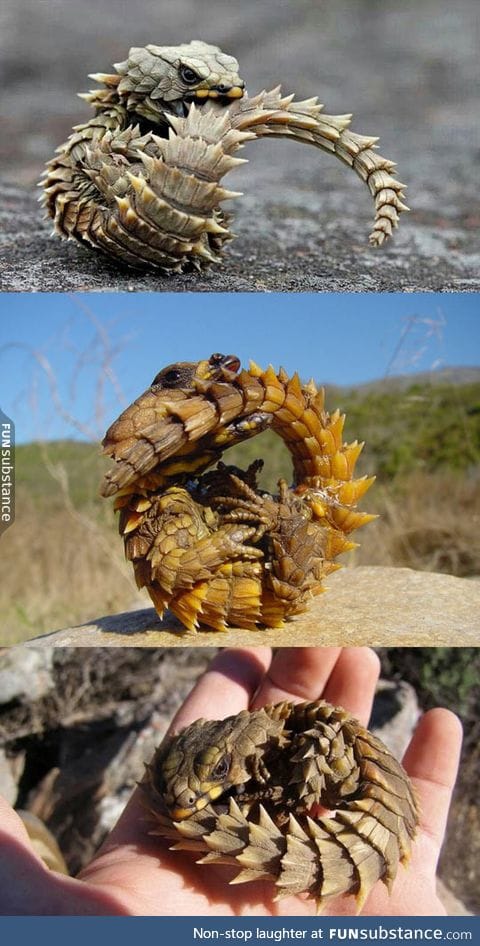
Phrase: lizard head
(210, 759)
(168, 78)
(183, 375)
(136, 440)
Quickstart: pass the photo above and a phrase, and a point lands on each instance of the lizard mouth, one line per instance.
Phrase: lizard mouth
(231, 362)
(218, 368)
(221, 92)
(180, 813)
(181, 107)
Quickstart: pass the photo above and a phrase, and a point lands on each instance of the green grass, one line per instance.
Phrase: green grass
(424, 428)
(42, 468)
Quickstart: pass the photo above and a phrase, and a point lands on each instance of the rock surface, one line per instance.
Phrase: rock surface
(308, 253)
(25, 673)
(395, 714)
(375, 606)
(303, 223)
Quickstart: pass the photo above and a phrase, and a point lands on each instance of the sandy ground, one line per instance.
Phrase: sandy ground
(409, 76)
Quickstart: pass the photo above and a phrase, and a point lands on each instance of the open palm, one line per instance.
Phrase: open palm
(135, 874)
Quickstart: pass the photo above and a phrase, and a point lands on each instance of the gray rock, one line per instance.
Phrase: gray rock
(25, 673)
(8, 780)
(395, 714)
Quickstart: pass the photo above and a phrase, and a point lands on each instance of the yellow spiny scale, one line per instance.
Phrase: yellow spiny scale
(254, 369)
(132, 522)
(208, 542)
(337, 544)
(331, 567)
(352, 452)
(320, 468)
(340, 466)
(188, 605)
(312, 422)
(349, 493)
(281, 765)
(328, 443)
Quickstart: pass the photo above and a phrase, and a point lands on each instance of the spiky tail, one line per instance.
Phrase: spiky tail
(271, 115)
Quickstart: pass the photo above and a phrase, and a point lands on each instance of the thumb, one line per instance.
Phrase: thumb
(29, 888)
(24, 878)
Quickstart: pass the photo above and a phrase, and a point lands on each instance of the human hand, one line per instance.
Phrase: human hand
(136, 874)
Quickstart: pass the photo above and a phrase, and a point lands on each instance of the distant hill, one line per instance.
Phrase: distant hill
(442, 376)
(449, 375)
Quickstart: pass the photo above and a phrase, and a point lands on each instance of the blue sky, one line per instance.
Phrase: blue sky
(69, 364)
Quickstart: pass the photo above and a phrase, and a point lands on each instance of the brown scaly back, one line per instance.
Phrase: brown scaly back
(244, 791)
(211, 545)
(141, 181)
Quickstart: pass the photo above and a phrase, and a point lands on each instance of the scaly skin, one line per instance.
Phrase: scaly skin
(246, 791)
(141, 181)
(210, 545)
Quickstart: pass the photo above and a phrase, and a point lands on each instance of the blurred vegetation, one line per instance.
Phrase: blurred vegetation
(42, 468)
(425, 429)
(441, 676)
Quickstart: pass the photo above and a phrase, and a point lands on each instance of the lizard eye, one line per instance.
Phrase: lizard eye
(170, 377)
(167, 378)
(188, 75)
(222, 767)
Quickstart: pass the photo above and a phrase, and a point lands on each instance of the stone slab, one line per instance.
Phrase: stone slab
(375, 606)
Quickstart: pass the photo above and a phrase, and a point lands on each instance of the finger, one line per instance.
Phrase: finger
(353, 680)
(296, 673)
(432, 760)
(13, 826)
(226, 687)
(28, 888)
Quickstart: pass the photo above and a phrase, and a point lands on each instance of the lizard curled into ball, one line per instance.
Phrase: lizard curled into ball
(246, 791)
(209, 544)
(141, 181)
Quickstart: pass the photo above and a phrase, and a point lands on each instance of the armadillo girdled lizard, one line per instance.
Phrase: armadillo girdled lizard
(141, 180)
(211, 545)
(246, 790)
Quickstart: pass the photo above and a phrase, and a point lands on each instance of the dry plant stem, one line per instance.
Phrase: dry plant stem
(212, 546)
(141, 181)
